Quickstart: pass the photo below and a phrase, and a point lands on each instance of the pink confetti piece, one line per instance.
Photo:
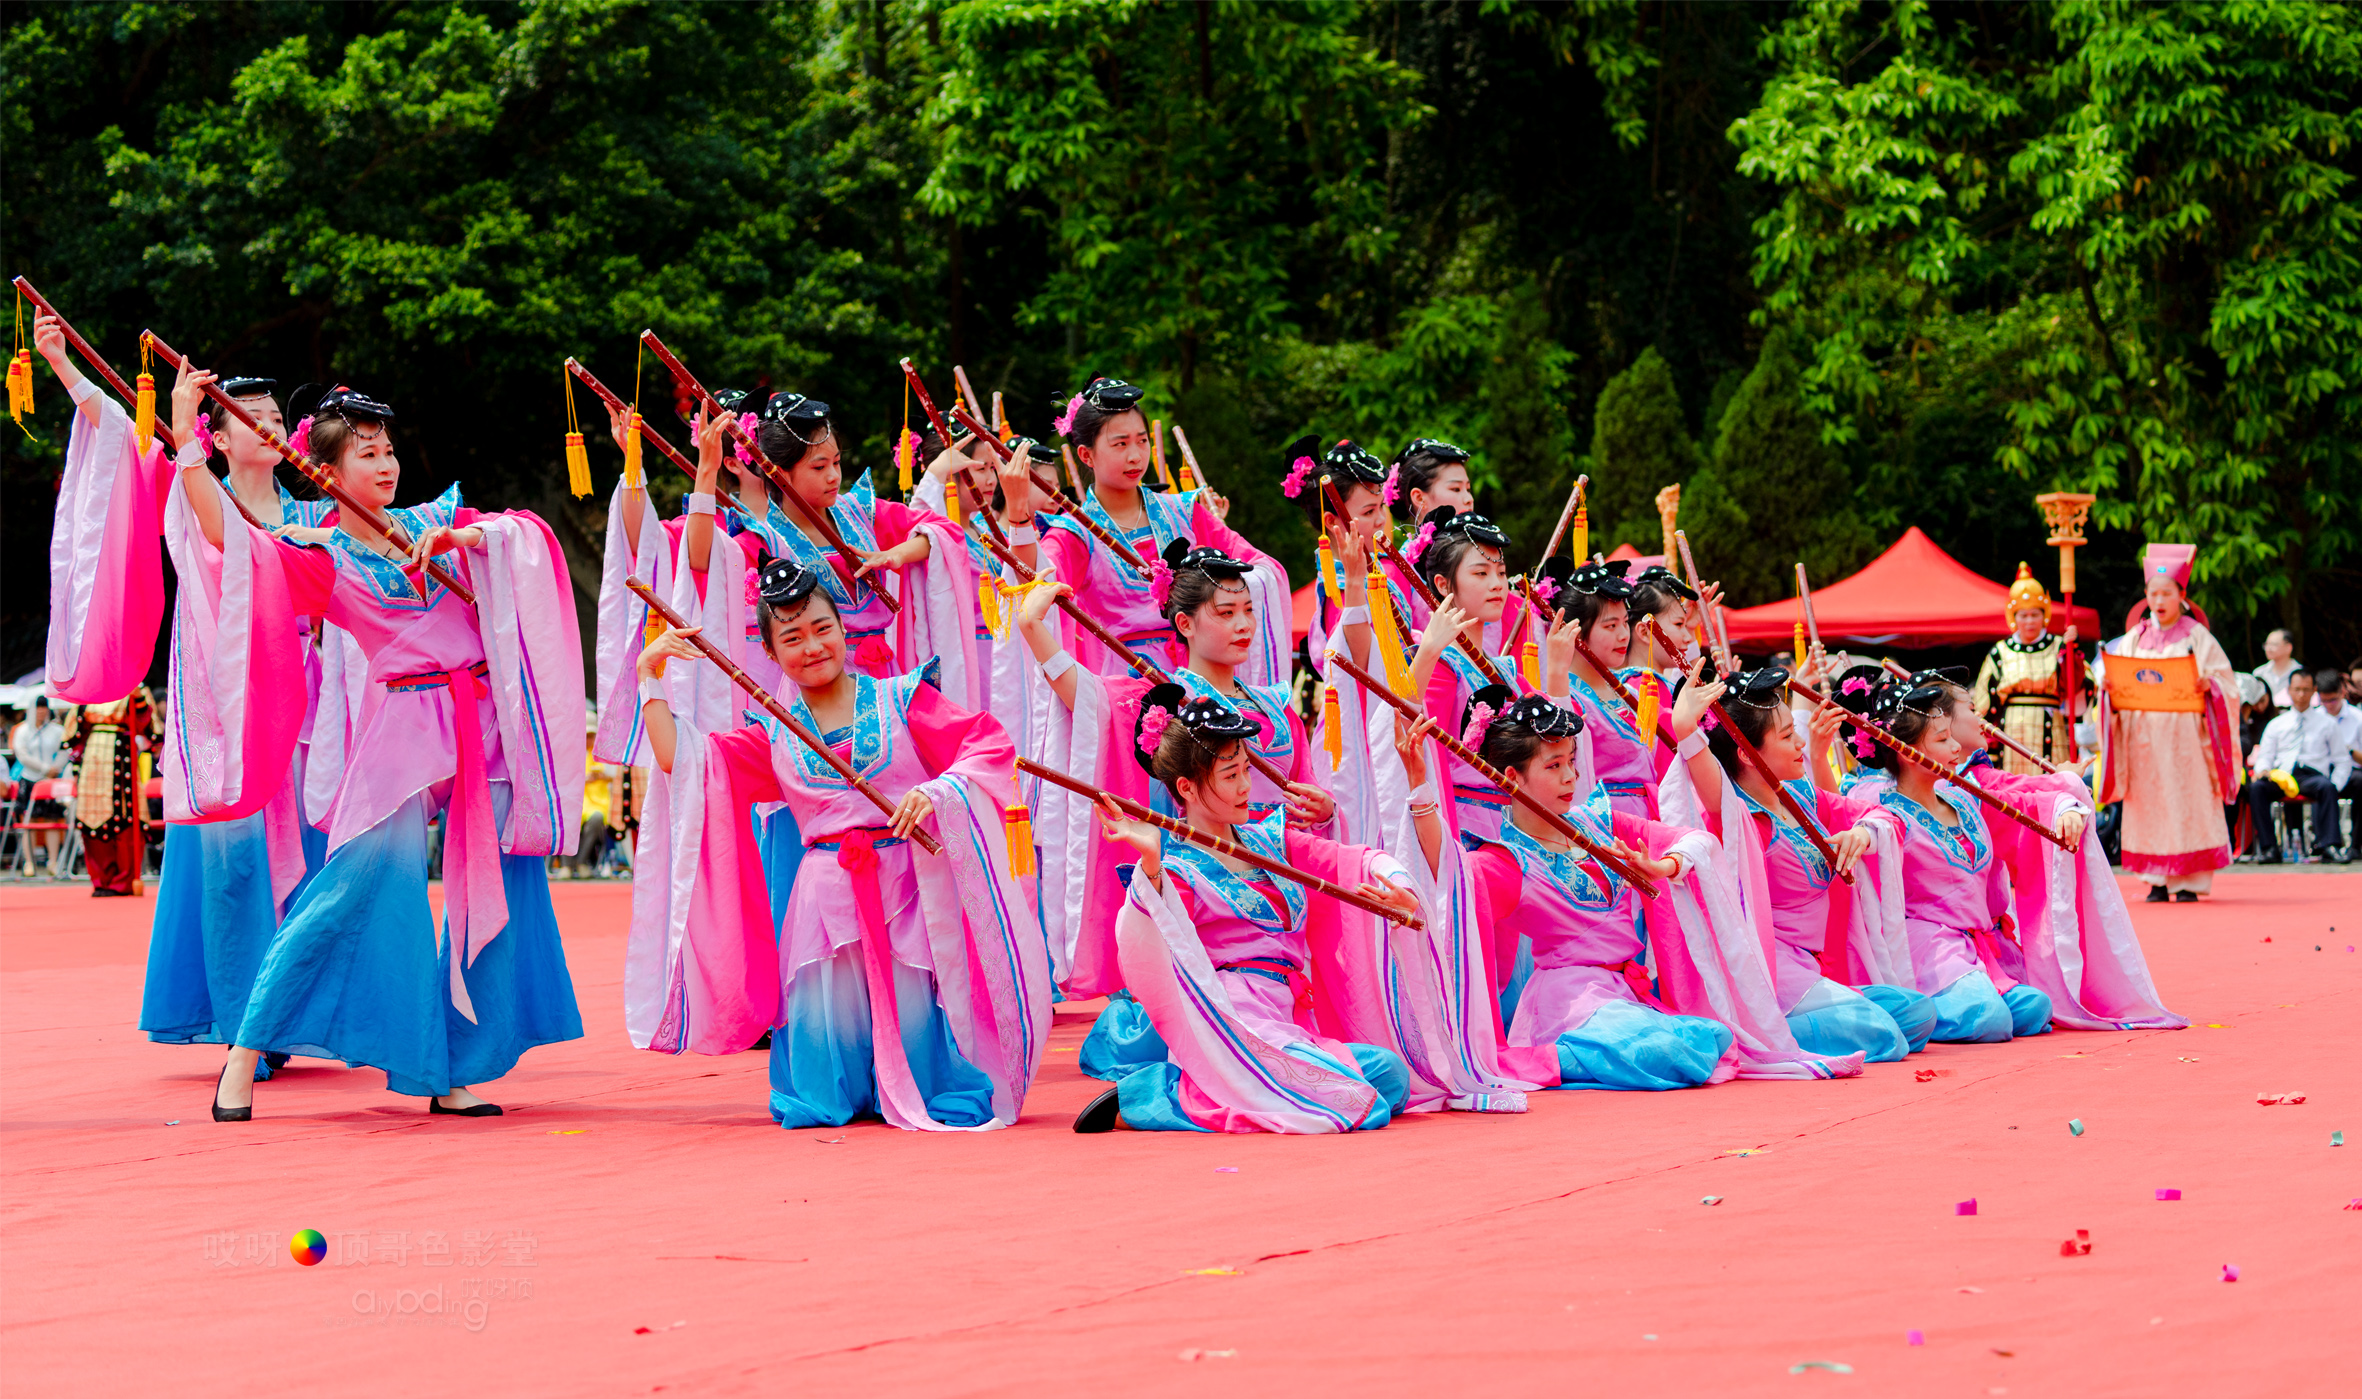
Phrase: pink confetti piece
(1914, 1338)
(2355, 1203)
(1226, 1170)
(1972, 1289)
(2230, 1272)
(1965, 1207)
(2169, 1194)
(2078, 1246)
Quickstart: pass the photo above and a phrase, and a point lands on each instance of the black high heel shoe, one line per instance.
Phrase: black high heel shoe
(1101, 1114)
(222, 1114)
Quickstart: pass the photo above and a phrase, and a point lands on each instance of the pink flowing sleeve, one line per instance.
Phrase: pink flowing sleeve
(952, 739)
(1208, 530)
(1500, 884)
(106, 562)
(895, 520)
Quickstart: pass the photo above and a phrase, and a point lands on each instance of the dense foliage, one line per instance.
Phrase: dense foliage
(1838, 268)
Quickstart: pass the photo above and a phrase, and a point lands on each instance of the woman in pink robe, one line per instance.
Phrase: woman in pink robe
(904, 985)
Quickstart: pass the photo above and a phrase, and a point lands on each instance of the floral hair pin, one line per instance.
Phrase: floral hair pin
(1419, 543)
(205, 433)
(1064, 425)
(1298, 474)
(1393, 490)
(1152, 729)
(1160, 581)
(1480, 716)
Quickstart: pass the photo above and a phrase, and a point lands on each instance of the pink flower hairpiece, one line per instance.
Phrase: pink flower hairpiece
(205, 433)
(1546, 589)
(746, 424)
(1479, 718)
(754, 594)
(1297, 476)
(1709, 723)
(301, 438)
(1854, 686)
(1152, 728)
(1160, 581)
(1419, 543)
(1393, 491)
(1863, 747)
(1064, 426)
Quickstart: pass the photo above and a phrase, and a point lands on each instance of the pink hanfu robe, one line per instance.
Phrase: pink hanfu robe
(1957, 917)
(2174, 773)
(1119, 596)
(904, 985)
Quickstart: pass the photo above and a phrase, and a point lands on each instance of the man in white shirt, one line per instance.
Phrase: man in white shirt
(2338, 702)
(2280, 664)
(40, 745)
(2308, 745)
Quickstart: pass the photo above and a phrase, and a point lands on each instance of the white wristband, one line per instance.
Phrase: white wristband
(652, 688)
(1692, 746)
(190, 454)
(1057, 665)
(1354, 616)
(699, 503)
(83, 391)
(1023, 534)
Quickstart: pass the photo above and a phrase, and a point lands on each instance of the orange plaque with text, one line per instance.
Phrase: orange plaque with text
(2167, 684)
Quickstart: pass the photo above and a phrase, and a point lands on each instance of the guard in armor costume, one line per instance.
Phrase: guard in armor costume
(2018, 686)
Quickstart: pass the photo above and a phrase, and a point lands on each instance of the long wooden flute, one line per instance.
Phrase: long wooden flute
(609, 397)
(1753, 758)
(1220, 846)
(107, 372)
(1145, 668)
(1896, 669)
(1452, 744)
(1912, 755)
(772, 471)
(318, 475)
(781, 712)
(1566, 517)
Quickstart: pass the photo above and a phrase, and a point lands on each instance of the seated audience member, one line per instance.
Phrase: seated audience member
(2302, 754)
(2279, 667)
(2336, 695)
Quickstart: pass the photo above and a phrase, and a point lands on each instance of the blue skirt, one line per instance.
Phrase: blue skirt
(1844, 1021)
(1150, 1096)
(1971, 1011)
(1121, 1040)
(1913, 1014)
(781, 846)
(214, 922)
(823, 1061)
(357, 972)
(1633, 1048)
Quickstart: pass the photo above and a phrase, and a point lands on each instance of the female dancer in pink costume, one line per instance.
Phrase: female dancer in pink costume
(929, 1004)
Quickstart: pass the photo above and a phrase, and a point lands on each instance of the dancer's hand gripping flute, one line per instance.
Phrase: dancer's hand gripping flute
(318, 474)
(1631, 874)
(781, 712)
(1383, 541)
(772, 471)
(1228, 849)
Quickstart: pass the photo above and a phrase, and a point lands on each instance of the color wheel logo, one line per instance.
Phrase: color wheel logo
(307, 1246)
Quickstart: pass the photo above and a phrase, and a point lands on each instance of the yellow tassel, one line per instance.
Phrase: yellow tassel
(1328, 573)
(1799, 646)
(1648, 710)
(651, 629)
(1019, 823)
(988, 600)
(20, 386)
(578, 478)
(951, 503)
(1398, 671)
(631, 452)
(1582, 533)
(1332, 726)
(1529, 665)
(906, 456)
(143, 419)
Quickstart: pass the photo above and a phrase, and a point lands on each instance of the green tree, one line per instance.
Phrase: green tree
(1640, 444)
(1775, 495)
(2151, 206)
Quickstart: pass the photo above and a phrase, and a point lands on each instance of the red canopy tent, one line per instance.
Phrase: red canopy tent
(1912, 595)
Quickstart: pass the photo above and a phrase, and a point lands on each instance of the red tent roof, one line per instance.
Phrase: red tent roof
(1912, 595)
(1300, 612)
(1638, 559)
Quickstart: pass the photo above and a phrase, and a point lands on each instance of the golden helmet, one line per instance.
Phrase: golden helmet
(2024, 593)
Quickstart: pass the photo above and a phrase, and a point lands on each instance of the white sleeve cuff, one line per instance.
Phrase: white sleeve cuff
(652, 688)
(1354, 616)
(699, 503)
(1057, 665)
(189, 455)
(84, 389)
(1023, 534)
(1693, 745)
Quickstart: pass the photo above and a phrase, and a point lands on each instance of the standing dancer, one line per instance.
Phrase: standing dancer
(1224, 956)
(2174, 771)
(225, 882)
(356, 972)
(1431, 474)
(1956, 892)
(983, 493)
(904, 985)
(1355, 480)
(1111, 438)
(1840, 948)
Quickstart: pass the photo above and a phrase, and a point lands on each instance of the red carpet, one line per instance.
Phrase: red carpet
(636, 1224)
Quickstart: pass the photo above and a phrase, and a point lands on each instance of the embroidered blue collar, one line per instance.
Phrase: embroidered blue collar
(386, 578)
(1799, 844)
(1590, 884)
(1267, 703)
(1217, 881)
(855, 516)
(1968, 846)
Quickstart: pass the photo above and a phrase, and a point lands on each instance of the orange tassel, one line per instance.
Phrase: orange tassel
(1019, 823)
(578, 478)
(143, 418)
(1332, 726)
(1529, 665)
(1328, 572)
(1582, 533)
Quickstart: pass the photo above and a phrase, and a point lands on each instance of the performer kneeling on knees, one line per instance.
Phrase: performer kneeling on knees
(1222, 955)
